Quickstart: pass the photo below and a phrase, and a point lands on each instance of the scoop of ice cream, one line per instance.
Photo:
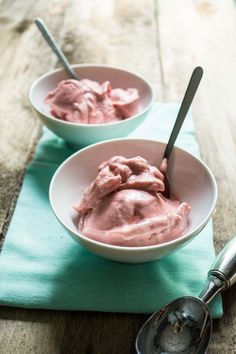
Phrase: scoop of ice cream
(132, 217)
(123, 205)
(88, 102)
(121, 173)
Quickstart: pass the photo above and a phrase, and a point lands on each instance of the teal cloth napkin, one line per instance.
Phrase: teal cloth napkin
(41, 266)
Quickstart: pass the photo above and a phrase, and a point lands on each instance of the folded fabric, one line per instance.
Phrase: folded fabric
(41, 266)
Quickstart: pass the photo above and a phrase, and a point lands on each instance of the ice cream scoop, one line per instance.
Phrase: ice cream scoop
(184, 326)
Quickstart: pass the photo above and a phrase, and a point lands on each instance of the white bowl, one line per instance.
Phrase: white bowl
(85, 134)
(191, 181)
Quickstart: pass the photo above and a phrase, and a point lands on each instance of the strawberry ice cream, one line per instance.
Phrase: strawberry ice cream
(124, 206)
(88, 102)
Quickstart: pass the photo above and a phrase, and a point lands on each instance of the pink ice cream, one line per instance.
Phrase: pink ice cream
(124, 206)
(88, 102)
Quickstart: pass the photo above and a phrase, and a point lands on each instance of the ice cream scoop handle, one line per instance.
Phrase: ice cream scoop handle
(224, 266)
(222, 274)
(55, 47)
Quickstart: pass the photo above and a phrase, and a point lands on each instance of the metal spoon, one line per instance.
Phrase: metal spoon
(185, 325)
(185, 105)
(55, 47)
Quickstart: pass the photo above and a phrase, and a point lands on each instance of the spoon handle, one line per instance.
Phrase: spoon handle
(186, 103)
(222, 274)
(55, 47)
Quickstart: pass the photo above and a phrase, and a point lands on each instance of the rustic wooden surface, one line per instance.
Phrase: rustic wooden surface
(162, 40)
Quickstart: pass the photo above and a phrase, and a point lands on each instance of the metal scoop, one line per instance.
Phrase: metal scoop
(185, 325)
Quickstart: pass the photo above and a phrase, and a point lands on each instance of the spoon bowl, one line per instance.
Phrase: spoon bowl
(180, 327)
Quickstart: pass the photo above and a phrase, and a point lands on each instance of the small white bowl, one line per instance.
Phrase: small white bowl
(191, 181)
(85, 134)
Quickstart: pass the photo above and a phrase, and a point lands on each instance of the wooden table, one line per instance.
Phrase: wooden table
(161, 40)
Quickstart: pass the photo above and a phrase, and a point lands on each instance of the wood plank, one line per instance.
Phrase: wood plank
(31, 331)
(21, 46)
(203, 33)
(117, 33)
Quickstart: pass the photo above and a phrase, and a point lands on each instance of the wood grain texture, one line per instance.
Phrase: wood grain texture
(207, 37)
(161, 40)
(22, 51)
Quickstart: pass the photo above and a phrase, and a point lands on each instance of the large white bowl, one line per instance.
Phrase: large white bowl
(85, 134)
(191, 181)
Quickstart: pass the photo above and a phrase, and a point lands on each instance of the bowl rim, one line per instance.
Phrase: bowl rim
(123, 121)
(138, 249)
